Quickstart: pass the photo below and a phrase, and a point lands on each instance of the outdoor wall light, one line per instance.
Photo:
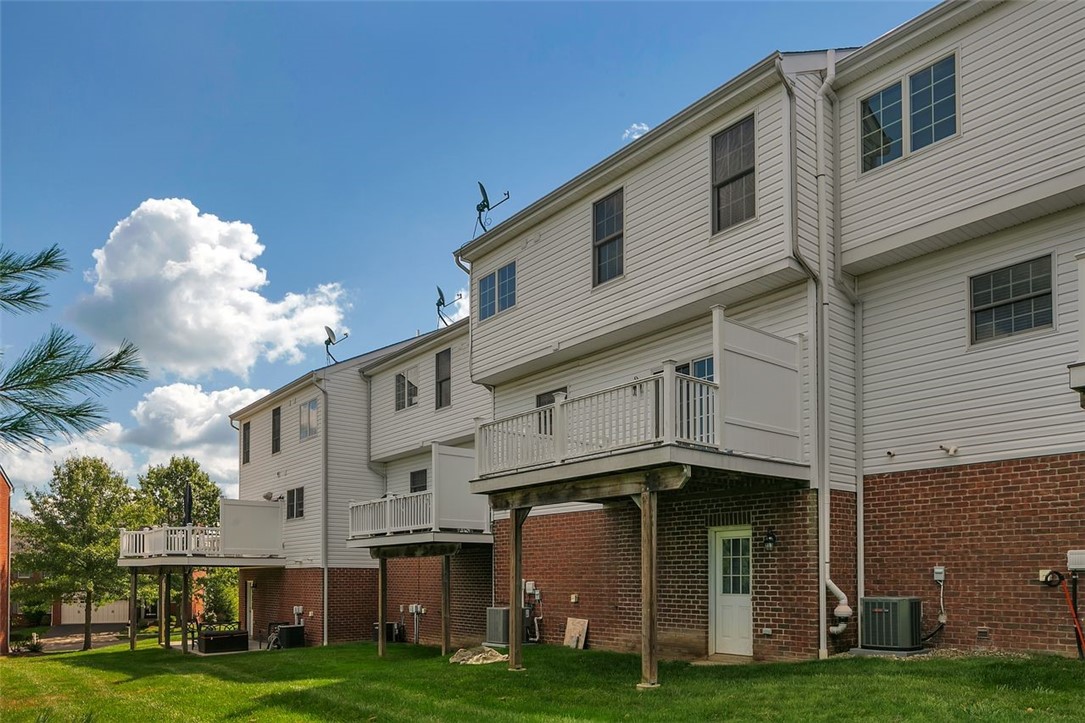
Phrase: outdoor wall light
(770, 540)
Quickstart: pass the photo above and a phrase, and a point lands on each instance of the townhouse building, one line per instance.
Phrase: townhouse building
(804, 342)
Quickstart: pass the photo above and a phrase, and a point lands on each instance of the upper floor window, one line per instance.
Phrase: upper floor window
(418, 481)
(733, 186)
(443, 380)
(246, 438)
(930, 107)
(307, 419)
(406, 389)
(295, 503)
(497, 291)
(607, 237)
(1010, 300)
(276, 429)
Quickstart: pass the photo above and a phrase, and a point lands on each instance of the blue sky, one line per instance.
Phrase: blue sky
(347, 136)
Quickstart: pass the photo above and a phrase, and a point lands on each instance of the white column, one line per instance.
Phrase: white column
(560, 431)
(718, 322)
(1080, 305)
(482, 449)
(668, 415)
(435, 455)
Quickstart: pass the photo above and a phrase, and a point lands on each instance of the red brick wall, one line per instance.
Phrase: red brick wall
(596, 555)
(418, 580)
(993, 526)
(352, 598)
(842, 568)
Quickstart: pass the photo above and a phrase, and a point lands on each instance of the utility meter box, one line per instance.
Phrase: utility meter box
(1075, 560)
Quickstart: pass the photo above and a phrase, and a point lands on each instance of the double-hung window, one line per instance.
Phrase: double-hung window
(497, 291)
(733, 183)
(443, 381)
(930, 108)
(608, 237)
(418, 481)
(307, 420)
(246, 439)
(406, 389)
(1011, 300)
(295, 503)
(276, 429)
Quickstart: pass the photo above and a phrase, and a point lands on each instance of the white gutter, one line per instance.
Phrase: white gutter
(791, 210)
(324, 513)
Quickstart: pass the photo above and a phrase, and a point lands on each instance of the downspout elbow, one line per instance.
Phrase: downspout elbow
(843, 610)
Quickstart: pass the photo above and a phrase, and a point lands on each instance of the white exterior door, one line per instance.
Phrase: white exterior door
(730, 606)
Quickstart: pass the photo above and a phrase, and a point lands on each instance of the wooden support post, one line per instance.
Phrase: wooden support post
(168, 612)
(649, 665)
(382, 606)
(163, 609)
(186, 603)
(446, 604)
(516, 597)
(133, 610)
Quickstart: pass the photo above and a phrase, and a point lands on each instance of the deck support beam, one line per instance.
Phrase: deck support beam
(516, 597)
(649, 663)
(186, 604)
(446, 604)
(382, 606)
(133, 610)
(168, 611)
(163, 609)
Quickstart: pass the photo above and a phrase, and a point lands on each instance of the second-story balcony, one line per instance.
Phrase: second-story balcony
(249, 534)
(445, 510)
(752, 410)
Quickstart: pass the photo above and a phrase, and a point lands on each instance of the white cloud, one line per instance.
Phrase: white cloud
(635, 131)
(177, 419)
(461, 308)
(33, 470)
(182, 285)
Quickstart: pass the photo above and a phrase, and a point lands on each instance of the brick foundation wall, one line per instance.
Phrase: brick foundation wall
(596, 555)
(352, 601)
(993, 526)
(842, 568)
(418, 580)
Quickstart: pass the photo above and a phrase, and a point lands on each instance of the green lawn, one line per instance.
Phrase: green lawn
(349, 682)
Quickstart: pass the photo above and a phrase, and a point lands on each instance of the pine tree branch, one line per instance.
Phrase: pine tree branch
(20, 274)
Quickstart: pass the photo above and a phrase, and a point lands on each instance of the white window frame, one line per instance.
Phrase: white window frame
(903, 80)
(501, 302)
(307, 419)
(294, 510)
(410, 379)
(987, 343)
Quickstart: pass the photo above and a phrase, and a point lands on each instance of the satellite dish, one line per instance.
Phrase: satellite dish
(485, 206)
(330, 342)
(440, 298)
(330, 333)
(441, 303)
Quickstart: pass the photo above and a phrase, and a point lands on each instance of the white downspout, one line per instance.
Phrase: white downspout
(324, 512)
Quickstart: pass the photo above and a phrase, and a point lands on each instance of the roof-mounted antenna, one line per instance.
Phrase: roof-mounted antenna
(332, 341)
(441, 304)
(485, 206)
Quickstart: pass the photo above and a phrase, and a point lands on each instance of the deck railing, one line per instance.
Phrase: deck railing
(666, 408)
(396, 513)
(169, 541)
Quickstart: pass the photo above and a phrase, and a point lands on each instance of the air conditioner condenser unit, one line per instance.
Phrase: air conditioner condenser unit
(892, 623)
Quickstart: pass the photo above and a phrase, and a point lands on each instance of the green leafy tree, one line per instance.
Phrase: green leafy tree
(219, 592)
(163, 488)
(46, 391)
(71, 535)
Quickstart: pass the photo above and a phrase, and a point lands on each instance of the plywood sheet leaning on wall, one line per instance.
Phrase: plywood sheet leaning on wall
(576, 630)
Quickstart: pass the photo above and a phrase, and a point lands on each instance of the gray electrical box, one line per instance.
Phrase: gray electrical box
(1075, 560)
(892, 623)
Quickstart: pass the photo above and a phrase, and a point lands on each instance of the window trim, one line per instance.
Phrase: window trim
(406, 375)
(498, 309)
(1053, 327)
(438, 380)
(276, 430)
(294, 504)
(424, 472)
(903, 79)
(246, 442)
(598, 243)
(714, 229)
(312, 426)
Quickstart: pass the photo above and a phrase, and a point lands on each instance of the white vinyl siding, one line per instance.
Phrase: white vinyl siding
(1019, 130)
(671, 257)
(399, 471)
(926, 386)
(396, 433)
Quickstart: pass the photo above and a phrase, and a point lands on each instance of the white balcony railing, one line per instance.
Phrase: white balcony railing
(757, 411)
(170, 541)
(447, 505)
